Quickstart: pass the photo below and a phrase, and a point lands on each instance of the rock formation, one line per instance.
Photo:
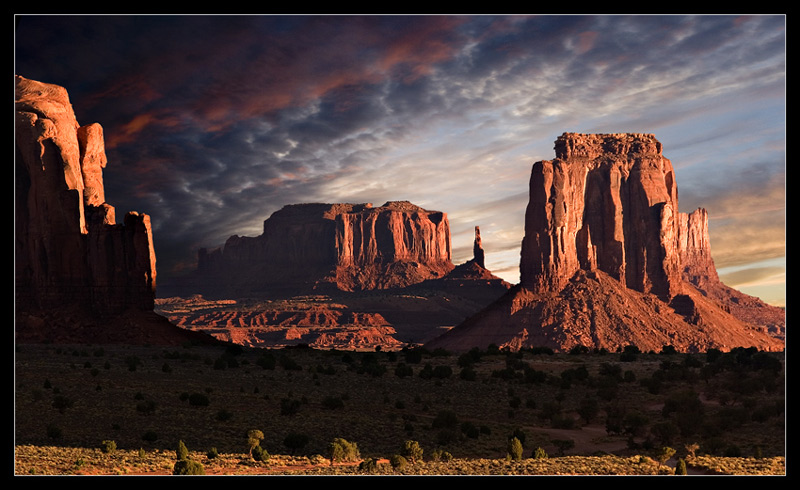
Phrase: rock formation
(71, 258)
(608, 260)
(477, 249)
(347, 247)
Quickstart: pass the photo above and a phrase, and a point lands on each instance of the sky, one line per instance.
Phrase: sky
(212, 123)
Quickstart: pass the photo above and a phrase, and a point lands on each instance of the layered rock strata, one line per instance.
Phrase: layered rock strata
(348, 247)
(69, 251)
(608, 260)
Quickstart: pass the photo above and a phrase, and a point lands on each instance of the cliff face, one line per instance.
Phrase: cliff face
(607, 202)
(69, 251)
(607, 260)
(348, 247)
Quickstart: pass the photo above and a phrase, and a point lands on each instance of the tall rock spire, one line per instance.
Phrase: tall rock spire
(477, 249)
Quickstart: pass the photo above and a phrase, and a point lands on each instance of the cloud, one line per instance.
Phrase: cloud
(214, 122)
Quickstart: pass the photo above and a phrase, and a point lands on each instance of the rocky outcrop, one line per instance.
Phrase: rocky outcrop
(347, 247)
(608, 260)
(69, 249)
(698, 269)
(76, 269)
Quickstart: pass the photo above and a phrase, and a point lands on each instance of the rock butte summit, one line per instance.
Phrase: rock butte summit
(607, 261)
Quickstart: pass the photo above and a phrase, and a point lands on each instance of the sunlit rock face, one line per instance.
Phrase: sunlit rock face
(608, 261)
(607, 202)
(69, 251)
(347, 247)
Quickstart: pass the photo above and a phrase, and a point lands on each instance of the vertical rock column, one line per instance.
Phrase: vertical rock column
(608, 201)
(68, 251)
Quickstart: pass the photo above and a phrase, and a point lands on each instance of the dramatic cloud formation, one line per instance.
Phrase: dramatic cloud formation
(214, 122)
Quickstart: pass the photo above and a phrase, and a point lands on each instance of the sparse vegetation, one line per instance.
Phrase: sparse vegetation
(560, 404)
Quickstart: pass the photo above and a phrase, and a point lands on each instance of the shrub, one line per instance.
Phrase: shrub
(369, 465)
(212, 453)
(295, 441)
(258, 453)
(108, 446)
(398, 462)
(402, 370)
(680, 468)
(188, 467)
(662, 454)
(563, 445)
(341, 450)
(445, 419)
(442, 372)
(514, 449)
(441, 455)
(411, 451)
(150, 436)
(289, 406)
(181, 452)
(539, 453)
(62, 403)
(254, 437)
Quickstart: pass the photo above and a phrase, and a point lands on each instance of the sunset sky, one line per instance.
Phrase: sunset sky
(212, 123)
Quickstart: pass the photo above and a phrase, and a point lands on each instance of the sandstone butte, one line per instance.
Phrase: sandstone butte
(329, 247)
(79, 276)
(607, 261)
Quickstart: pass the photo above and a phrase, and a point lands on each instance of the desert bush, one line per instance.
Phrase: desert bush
(254, 438)
(188, 467)
(412, 451)
(368, 465)
(588, 408)
(539, 453)
(398, 462)
(514, 449)
(563, 445)
(663, 453)
(680, 467)
(442, 372)
(108, 446)
(259, 454)
(341, 450)
(294, 441)
(212, 453)
(468, 374)
(181, 452)
(403, 370)
(441, 455)
(62, 403)
(445, 419)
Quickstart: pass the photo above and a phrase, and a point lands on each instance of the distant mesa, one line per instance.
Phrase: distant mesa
(608, 261)
(330, 247)
(79, 276)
